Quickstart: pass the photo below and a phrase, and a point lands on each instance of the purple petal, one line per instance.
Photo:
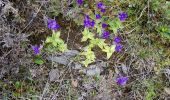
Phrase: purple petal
(100, 5)
(105, 35)
(80, 2)
(103, 10)
(122, 16)
(88, 23)
(122, 80)
(104, 25)
(117, 40)
(98, 16)
(52, 24)
(87, 17)
(36, 49)
(92, 23)
(118, 48)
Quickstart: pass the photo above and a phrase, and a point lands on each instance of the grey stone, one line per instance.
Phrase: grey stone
(71, 53)
(93, 70)
(60, 60)
(54, 75)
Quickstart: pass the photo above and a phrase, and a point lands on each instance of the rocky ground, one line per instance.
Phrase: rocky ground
(144, 61)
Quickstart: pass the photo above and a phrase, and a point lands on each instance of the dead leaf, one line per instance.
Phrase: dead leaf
(167, 90)
(33, 72)
(74, 83)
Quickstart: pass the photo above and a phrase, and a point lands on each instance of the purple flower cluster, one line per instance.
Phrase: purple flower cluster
(79, 2)
(88, 22)
(122, 16)
(117, 41)
(52, 24)
(105, 35)
(122, 80)
(101, 6)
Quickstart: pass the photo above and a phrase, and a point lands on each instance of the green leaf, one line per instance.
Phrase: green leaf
(38, 60)
(164, 31)
(18, 85)
(150, 91)
(99, 30)
(101, 43)
(55, 43)
(86, 62)
(98, 42)
(56, 35)
(109, 50)
(48, 40)
(16, 94)
(98, 27)
(87, 35)
(115, 25)
(90, 57)
(62, 47)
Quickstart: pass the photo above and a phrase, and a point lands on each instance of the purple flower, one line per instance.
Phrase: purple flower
(52, 24)
(122, 80)
(105, 35)
(92, 23)
(88, 23)
(117, 39)
(87, 17)
(123, 16)
(103, 10)
(80, 2)
(98, 16)
(100, 5)
(118, 48)
(104, 25)
(36, 49)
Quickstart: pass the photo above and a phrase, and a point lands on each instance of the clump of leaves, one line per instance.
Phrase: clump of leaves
(151, 89)
(115, 25)
(164, 31)
(97, 30)
(18, 87)
(88, 53)
(55, 43)
(38, 60)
